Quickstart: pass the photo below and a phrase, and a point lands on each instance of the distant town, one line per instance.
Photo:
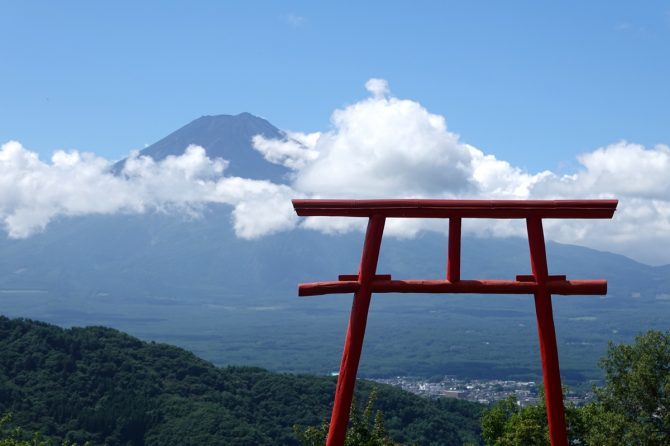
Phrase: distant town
(480, 391)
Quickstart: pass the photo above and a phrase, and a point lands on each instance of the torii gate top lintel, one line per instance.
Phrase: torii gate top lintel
(428, 208)
(367, 281)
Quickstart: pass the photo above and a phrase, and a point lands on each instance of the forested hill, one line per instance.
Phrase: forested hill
(100, 385)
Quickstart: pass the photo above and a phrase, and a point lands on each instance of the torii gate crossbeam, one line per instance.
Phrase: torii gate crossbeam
(367, 281)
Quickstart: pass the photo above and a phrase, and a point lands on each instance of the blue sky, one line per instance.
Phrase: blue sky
(541, 100)
(531, 82)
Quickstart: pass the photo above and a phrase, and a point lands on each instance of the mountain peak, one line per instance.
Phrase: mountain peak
(223, 136)
(243, 115)
(246, 114)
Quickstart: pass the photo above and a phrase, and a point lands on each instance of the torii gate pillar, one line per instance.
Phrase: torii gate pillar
(547, 334)
(540, 284)
(353, 343)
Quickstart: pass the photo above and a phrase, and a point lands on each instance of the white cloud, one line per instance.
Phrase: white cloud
(261, 207)
(33, 192)
(628, 170)
(378, 87)
(295, 151)
(378, 147)
(383, 146)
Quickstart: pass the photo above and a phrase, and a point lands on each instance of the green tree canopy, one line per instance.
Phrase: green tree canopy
(631, 408)
(100, 385)
(634, 403)
(363, 429)
(15, 436)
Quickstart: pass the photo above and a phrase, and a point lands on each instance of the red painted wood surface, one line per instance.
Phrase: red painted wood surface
(563, 287)
(415, 208)
(454, 250)
(354, 277)
(353, 344)
(540, 283)
(547, 334)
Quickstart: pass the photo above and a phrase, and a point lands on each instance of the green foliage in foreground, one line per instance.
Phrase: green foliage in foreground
(15, 436)
(632, 408)
(363, 431)
(99, 385)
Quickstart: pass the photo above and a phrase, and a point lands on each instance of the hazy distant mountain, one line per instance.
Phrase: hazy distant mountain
(192, 282)
(150, 256)
(234, 301)
(227, 137)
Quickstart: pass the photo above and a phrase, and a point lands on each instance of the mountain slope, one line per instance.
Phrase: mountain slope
(233, 301)
(100, 385)
(191, 282)
(223, 136)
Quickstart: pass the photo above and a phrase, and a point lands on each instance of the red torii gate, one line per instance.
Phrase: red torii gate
(540, 283)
